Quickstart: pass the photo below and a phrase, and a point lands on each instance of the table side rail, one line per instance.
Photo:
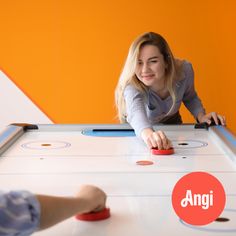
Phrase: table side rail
(227, 139)
(8, 136)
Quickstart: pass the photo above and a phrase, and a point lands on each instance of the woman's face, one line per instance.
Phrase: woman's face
(150, 68)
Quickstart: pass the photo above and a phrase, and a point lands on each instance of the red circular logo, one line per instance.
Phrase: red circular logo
(198, 198)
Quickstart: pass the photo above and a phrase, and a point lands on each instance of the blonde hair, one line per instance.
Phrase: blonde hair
(128, 73)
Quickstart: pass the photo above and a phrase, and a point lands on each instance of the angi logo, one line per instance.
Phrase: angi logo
(198, 198)
(203, 200)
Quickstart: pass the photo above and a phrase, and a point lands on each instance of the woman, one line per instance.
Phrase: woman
(151, 88)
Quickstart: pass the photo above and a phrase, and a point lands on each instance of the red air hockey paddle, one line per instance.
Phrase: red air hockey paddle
(94, 216)
(156, 151)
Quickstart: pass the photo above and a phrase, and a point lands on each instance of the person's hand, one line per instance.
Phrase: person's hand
(155, 139)
(93, 198)
(218, 119)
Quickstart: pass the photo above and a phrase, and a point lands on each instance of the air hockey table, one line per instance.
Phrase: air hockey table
(57, 159)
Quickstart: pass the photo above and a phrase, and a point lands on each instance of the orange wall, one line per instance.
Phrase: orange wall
(66, 55)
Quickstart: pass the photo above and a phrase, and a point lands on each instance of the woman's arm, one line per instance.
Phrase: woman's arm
(193, 102)
(190, 98)
(137, 118)
(135, 110)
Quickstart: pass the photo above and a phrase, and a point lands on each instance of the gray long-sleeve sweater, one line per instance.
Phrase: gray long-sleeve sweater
(147, 109)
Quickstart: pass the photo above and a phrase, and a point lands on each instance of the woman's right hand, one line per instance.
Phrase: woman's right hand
(155, 139)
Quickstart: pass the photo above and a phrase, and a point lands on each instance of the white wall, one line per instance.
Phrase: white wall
(16, 107)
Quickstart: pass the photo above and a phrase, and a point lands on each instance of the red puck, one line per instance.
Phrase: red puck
(144, 163)
(156, 151)
(94, 216)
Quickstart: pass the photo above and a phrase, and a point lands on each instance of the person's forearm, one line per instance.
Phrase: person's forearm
(56, 209)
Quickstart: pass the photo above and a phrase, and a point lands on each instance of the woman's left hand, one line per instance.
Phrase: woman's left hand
(218, 119)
